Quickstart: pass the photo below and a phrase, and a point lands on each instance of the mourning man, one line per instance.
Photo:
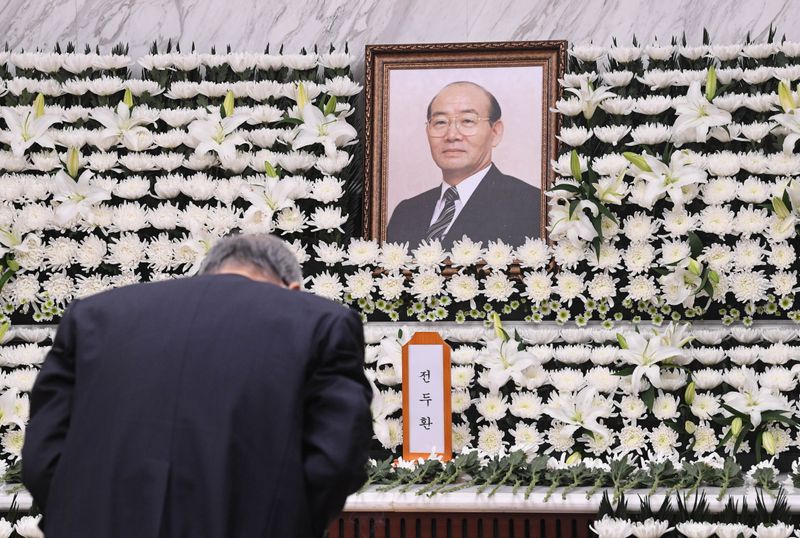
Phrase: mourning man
(474, 198)
(222, 405)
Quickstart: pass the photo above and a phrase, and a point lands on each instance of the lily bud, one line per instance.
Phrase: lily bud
(694, 267)
(227, 104)
(711, 83)
(638, 161)
(736, 427)
(780, 208)
(498, 327)
(690, 427)
(713, 276)
(302, 96)
(785, 97)
(13, 266)
(575, 165)
(689, 393)
(622, 342)
(73, 162)
(38, 106)
(769, 443)
(270, 170)
(574, 458)
(4, 328)
(128, 98)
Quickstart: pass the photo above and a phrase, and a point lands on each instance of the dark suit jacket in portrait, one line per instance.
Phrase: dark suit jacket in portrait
(502, 207)
(208, 407)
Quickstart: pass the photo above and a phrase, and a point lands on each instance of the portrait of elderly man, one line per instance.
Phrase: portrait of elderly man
(473, 198)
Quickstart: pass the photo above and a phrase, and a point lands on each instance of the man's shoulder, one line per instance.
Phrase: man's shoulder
(514, 184)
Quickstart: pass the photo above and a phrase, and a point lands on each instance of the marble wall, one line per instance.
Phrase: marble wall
(249, 25)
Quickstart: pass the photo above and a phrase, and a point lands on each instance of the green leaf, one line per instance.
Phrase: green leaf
(565, 187)
(696, 244)
(573, 204)
(648, 397)
(607, 212)
(575, 165)
(638, 161)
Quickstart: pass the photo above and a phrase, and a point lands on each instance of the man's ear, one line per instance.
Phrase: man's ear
(293, 285)
(497, 133)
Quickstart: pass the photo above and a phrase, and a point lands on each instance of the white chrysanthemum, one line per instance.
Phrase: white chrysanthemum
(12, 442)
(427, 284)
(650, 134)
(498, 255)
(526, 405)
(631, 439)
(674, 251)
(560, 437)
(750, 220)
(618, 106)
(129, 217)
(602, 379)
(749, 286)
(569, 254)
(490, 440)
(602, 286)
(678, 222)
(60, 252)
(464, 355)
(610, 164)
(394, 256)
(462, 436)
(609, 257)
(160, 253)
(362, 252)
(569, 285)
(717, 220)
(747, 254)
(782, 255)
(329, 253)
(128, 251)
(784, 282)
(639, 257)
(361, 284)
(327, 285)
(526, 438)
(665, 407)
(497, 287)
(492, 407)
(23, 289)
(567, 379)
(461, 376)
(778, 378)
(327, 218)
(705, 439)
(538, 286)
(707, 378)
(719, 190)
(460, 401)
(632, 407)
(429, 254)
(640, 228)
(705, 406)
(718, 256)
(534, 253)
(465, 251)
(391, 287)
(34, 217)
(290, 220)
(21, 379)
(463, 287)
(664, 440)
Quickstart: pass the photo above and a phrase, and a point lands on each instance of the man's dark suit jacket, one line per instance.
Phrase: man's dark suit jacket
(214, 406)
(502, 207)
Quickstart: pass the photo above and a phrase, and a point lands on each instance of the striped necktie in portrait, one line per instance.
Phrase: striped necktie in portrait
(437, 229)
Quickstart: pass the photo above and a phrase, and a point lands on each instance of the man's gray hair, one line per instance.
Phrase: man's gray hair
(264, 252)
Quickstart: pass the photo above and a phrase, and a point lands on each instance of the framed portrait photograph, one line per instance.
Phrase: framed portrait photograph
(459, 139)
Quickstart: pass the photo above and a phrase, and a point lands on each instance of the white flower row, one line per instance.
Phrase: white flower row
(626, 54)
(291, 161)
(609, 527)
(339, 86)
(658, 79)
(624, 135)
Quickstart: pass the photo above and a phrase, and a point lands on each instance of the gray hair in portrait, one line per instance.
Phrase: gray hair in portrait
(494, 106)
(265, 252)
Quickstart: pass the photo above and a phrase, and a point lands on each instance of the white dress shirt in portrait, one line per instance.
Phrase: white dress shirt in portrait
(465, 190)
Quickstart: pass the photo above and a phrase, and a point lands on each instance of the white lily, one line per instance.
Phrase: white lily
(680, 286)
(611, 190)
(576, 227)
(753, 400)
(28, 128)
(590, 98)
(119, 122)
(319, 128)
(76, 197)
(198, 243)
(268, 197)
(790, 118)
(504, 361)
(646, 353)
(696, 113)
(578, 410)
(215, 133)
(669, 180)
